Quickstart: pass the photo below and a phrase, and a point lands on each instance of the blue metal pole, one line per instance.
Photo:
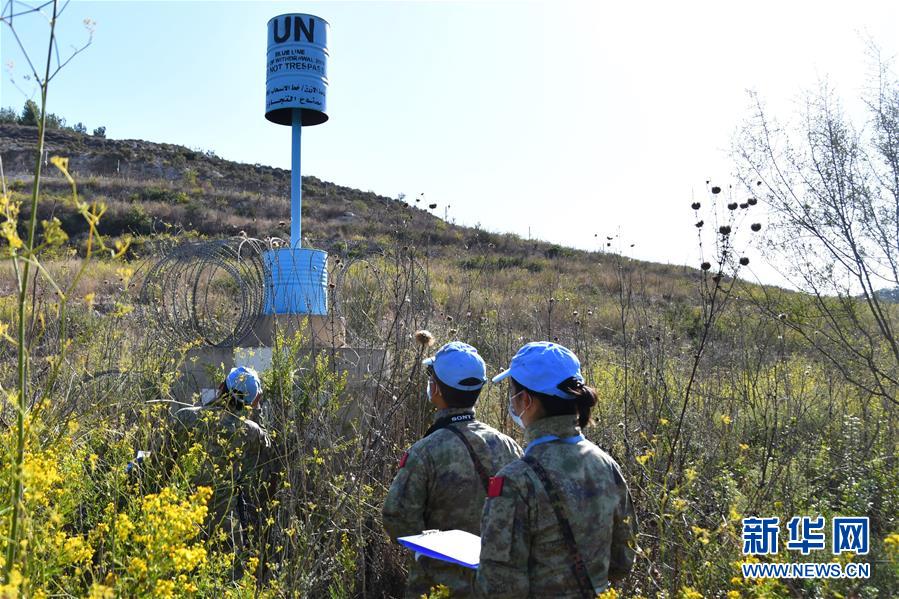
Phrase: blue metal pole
(296, 183)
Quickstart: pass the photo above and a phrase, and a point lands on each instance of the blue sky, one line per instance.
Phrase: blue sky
(565, 119)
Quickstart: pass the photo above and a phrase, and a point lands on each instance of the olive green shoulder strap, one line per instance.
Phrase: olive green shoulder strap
(478, 466)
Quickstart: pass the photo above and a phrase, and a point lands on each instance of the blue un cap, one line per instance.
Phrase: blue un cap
(542, 366)
(244, 384)
(457, 361)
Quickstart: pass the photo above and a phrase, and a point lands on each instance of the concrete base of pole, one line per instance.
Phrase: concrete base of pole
(205, 367)
(318, 331)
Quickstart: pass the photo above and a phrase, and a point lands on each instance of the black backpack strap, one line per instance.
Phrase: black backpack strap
(485, 478)
(577, 562)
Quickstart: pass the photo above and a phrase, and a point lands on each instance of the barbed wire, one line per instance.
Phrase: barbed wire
(214, 292)
(208, 291)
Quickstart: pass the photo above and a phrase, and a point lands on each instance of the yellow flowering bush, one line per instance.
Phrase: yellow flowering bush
(689, 593)
(49, 548)
(891, 543)
(134, 545)
(891, 547)
(162, 540)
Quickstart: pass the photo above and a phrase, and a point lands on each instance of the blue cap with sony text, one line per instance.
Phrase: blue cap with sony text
(455, 362)
(244, 384)
(542, 366)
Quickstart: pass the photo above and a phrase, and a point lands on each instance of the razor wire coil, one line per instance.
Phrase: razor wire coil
(208, 291)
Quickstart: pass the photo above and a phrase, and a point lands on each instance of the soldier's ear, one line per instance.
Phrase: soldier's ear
(526, 400)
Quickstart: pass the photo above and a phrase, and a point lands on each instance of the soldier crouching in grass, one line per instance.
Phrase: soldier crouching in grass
(443, 478)
(217, 446)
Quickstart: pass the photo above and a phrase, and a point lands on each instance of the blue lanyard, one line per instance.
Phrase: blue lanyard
(550, 438)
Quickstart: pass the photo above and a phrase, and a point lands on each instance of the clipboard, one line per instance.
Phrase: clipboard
(453, 546)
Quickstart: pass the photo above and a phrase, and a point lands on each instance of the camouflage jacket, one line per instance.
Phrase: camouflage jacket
(437, 487)
(523, 553)
(237, 460)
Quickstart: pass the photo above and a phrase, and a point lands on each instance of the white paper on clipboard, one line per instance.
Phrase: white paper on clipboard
(454, 546)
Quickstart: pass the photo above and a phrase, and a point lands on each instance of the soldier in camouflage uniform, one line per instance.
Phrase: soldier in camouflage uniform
(443, 478)
(237, 461)
(559, 522)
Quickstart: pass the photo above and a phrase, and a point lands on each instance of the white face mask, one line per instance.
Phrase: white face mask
(516, 418)
(428, 389)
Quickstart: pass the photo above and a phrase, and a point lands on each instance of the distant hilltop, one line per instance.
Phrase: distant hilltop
(91, 155)
(888, 295)
(156, 188)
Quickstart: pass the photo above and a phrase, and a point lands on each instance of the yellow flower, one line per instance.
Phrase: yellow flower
(642, 459)
(125, 273)
(725, 419)
(53, 232)
(701, 533)
(122, 309)
(690, 474)
(891, 545)
(164, 588)
(11, 588)
(185, 585)
(123, 526)
(63, 165)
(8, 231)
(608, 594)
(41, 477)
(121, 246)
(75, 550)
(101, 591)
(689, 593)
(744, 447)
(188, 558)
(137, 566)
(733, 595)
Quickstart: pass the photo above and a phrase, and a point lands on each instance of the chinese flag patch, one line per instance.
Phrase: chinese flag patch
(495, 488)
(404, 458)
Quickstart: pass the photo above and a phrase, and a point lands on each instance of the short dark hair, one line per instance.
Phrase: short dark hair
(584, 400)
(457, 398)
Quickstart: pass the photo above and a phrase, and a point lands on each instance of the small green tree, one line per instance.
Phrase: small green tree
(100, 132)
(30, 114)
(54, 121)
(8, 116)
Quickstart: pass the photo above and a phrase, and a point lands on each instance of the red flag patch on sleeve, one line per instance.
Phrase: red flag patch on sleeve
(495, 488)
(404, 458)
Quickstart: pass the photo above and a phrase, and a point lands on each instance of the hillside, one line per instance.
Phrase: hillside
(155, 190)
